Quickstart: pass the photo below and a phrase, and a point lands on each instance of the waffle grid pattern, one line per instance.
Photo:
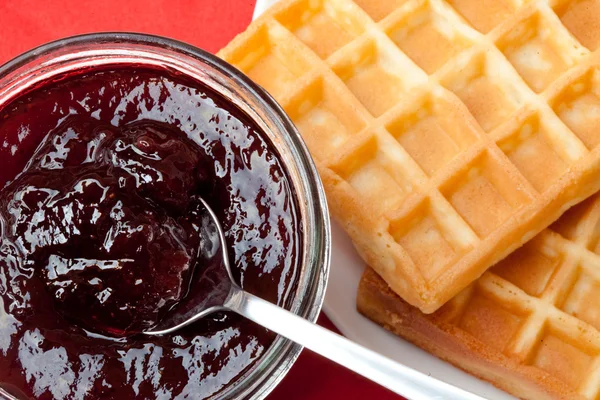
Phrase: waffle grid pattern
(540, 304)
(507, 90)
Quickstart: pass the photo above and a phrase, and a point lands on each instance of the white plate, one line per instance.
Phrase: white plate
(340, 307)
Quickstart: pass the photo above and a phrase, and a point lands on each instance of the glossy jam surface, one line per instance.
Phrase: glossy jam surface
(101, 236)
(106, 219)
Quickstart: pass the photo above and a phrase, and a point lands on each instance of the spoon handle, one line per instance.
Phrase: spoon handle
(396, 377)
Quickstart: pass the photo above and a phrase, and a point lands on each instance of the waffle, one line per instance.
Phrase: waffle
(530, 324)
(447, 134)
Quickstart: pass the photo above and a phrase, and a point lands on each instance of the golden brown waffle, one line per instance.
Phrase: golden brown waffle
(530, 325)
(447, 134)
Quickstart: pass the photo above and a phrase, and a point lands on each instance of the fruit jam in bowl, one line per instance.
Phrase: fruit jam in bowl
(107, 143)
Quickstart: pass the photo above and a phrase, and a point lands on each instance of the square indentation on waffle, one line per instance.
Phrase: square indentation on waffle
(378, 169)
(582, 301)
(325, 117)
(491, 321)
(562, 356)
(569, 226)
(430, 33)
(377, 75)
(485, 15)
(538, 142)
(578, 106)
(433, 236)
(323, 26)
(433, 119)
(487, 84)
(380, 9)
(593, 242)
(485, 194)
(531, 267)
(268, 62)
(539, 48)
(582, 19)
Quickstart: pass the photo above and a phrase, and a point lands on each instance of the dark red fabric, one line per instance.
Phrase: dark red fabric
(209, 24)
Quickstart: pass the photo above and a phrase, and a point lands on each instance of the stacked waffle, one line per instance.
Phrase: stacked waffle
(530, 324)
(448, 134)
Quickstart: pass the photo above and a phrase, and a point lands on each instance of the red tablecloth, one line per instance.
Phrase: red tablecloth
(209, 24)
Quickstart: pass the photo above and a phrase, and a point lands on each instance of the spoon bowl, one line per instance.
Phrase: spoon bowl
(215, 279)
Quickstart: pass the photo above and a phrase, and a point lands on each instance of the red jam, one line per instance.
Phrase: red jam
(101, 236)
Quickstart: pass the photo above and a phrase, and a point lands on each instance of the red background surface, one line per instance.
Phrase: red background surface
(209, 24)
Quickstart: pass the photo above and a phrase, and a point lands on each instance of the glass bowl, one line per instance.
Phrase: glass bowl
(45, 63)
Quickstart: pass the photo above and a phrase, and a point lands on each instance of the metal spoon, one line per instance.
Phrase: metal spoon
(227, 295)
